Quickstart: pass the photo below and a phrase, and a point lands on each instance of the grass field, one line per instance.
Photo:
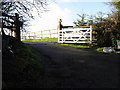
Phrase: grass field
(43, 40)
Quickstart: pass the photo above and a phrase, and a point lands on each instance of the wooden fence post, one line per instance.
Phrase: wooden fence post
(50, 33)
(34, 35)
(29, 35)
(17, 26)
(60, 24)
(41, 34)
(60, 31)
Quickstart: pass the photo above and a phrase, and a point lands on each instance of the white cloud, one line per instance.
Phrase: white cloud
(67, 10)
(49, 20)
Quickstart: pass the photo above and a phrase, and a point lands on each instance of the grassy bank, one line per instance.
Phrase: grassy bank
(23, 68)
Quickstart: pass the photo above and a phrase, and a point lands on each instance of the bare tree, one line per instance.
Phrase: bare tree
(24, 8)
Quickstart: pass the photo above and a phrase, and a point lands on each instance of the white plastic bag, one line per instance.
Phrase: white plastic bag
(108, 49)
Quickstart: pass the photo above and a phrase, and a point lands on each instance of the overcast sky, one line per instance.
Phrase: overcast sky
(67, 10)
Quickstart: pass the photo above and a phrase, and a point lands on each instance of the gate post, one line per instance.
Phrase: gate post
(90, 34)
(17, 26)
(60, 32)
(60, 24)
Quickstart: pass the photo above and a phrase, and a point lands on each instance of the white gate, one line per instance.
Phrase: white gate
(81, 34)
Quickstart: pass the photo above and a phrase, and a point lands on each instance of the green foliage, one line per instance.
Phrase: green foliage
(99, 50)
(116, 4)
(108, 30)
(78, 46)
(81, 21)
(85, 19)
(85, 47)
(99, 17)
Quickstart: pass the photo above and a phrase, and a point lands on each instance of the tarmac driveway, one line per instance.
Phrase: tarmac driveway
(67, 67)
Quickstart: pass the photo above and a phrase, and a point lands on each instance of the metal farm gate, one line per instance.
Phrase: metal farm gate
(82, 34)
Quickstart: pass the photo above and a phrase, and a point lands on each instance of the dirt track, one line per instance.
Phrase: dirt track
(67, 67)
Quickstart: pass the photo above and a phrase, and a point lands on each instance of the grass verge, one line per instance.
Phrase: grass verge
(95, 49)
(87, 47)
(78, 46)
(23, 68)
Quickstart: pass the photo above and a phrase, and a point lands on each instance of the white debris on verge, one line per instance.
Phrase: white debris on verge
(108, 49)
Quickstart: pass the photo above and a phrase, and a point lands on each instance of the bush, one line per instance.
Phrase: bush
(108, 31)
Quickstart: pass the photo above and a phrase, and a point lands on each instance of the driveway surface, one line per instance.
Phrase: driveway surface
(67, 67)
